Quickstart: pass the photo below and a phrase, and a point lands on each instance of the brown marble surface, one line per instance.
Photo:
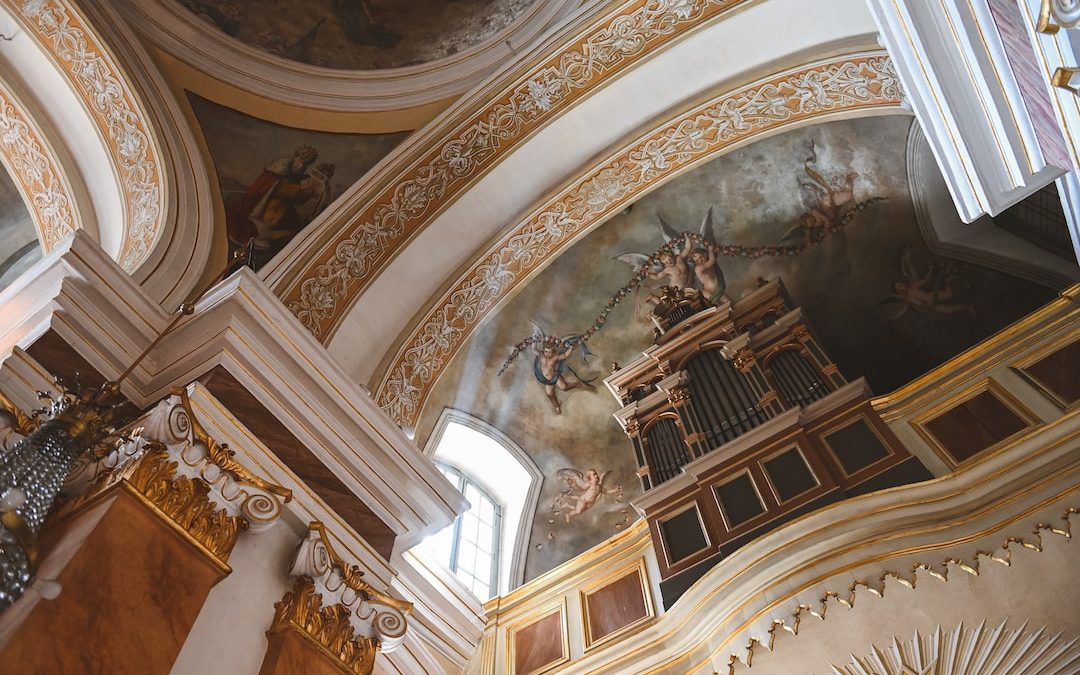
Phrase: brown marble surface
(289, 653)
(299, 459)
(615, 606)
(539, 644)
(130, 594)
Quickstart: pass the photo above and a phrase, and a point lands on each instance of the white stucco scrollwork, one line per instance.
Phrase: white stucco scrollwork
(37, 172)
(170, 426)
(373, 614)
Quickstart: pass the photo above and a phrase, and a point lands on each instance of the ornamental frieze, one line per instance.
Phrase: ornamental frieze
(844, 84)
(36, 170)
(65, 35)
(323, 291)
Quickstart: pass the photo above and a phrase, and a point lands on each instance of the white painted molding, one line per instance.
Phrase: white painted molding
(981, 241)
(950, 58)
(82, 295)
(178, 32)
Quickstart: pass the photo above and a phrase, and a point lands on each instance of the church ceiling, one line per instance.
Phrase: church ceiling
(274, 180)
(826, 208)
(360, 34)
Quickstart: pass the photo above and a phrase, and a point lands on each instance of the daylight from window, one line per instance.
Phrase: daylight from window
(482, 545)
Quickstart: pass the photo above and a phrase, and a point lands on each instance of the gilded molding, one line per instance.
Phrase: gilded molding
(63, 33)
(167, 459)
(37, 172)
(327, 627)
(846, 83)
(186, 502)
(321, 293)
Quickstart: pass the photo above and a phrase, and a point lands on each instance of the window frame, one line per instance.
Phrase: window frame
(462, 481)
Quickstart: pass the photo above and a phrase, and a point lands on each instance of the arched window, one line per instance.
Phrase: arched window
(486, 546)
(470, 547)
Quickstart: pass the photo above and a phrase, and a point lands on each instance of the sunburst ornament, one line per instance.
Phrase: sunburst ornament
(965, 651)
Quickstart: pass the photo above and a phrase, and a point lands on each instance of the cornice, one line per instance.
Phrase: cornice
(79, 293)
(322, 272)
(845, 84)
(176, 31)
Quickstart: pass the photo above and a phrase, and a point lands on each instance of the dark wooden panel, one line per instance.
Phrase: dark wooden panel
(683, 535)
(539, 644)
(790, 474)
(739, 500)
(615, 606)
(1059, 372)
(974, 425)
(307, 467)
(856, 446)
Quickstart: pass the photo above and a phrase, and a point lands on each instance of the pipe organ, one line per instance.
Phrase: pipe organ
(739, 422)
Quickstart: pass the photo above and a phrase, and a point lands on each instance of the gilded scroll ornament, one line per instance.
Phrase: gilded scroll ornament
(328, 627)
(371, 611)
(186, 502)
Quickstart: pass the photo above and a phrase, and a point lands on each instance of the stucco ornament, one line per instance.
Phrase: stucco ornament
(372, 614)
(964, 650)
(63, 33)
(37, 171)
(327, 288)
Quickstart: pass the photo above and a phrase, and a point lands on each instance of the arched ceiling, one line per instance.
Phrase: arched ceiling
(360, 34)
(850, 172)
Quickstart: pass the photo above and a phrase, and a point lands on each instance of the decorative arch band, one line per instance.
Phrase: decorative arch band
(37, 172)
(845, 84)
(62, 32)
(321, 293)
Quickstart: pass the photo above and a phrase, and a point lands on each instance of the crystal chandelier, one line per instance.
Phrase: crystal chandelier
(33, 471)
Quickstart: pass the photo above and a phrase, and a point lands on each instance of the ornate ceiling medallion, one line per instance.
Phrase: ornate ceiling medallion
(844, 84)
(321, 293)
(987, 651)
(36, 171)
(62, 32)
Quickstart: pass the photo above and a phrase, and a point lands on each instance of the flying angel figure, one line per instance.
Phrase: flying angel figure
(550, 364)
(583, 491)
(689, 265)
(824, 199)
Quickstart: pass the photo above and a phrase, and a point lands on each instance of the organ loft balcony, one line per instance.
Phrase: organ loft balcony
(741, 422)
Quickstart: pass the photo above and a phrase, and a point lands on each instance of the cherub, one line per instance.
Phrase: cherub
(933, 291)
(589, 488)
(550, 366)
(686, 261)
(823, 198)
(709, 276)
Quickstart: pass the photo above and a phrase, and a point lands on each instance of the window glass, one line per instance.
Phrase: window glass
(470, 546)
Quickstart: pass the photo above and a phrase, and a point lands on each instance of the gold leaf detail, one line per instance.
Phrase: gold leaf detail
(186, 502)
(328, 628)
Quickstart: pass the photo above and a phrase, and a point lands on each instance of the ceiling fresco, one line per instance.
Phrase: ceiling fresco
(273, 179)
(19, 246)
(825, 208)
(359, 34)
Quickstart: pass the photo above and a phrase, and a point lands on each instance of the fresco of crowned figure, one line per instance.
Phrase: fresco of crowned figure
(274, 206)
(269, 194)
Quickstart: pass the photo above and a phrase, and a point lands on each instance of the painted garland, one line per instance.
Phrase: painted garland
(847, 83)
(323, 291)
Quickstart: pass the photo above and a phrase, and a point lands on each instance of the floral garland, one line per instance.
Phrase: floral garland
(726, 250)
